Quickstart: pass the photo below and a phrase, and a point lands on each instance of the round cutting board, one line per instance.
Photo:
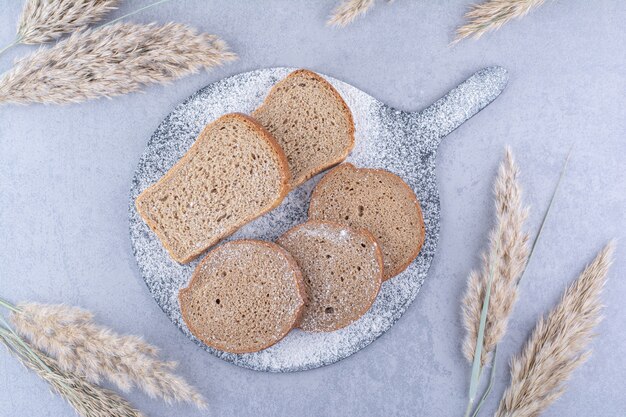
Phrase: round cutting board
(404, 143)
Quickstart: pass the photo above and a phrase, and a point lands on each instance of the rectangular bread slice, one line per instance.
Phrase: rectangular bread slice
(233, 173)
(310, 121)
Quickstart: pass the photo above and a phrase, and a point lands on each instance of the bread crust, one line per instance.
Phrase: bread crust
(346, 165)
(284, 170)
(346, 112)
(299, 282)
(378, 253)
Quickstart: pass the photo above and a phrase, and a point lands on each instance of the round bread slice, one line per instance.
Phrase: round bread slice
(310, 121)
(375, 200)
(342, 270)
(244, 296)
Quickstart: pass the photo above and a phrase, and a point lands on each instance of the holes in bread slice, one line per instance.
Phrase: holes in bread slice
(244, 296)
(342, 270)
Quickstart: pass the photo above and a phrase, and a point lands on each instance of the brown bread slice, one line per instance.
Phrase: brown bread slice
(375, 200)
(310, 121)
(233, 173)
(244, 296)
(342, 270)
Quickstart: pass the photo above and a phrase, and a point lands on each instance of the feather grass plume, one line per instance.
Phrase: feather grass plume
(348, 11)
(558, 344)
(110, 61)
(503, 264)
(44, 21)
(93, 352)
(493, 14)
(87, 399)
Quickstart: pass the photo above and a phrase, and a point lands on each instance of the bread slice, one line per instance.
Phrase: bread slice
(310, 121)
(233, 173)
(244, 296)
(342, 269)
(375, 200)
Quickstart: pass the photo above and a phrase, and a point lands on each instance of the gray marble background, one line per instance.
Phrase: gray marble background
(65, 174)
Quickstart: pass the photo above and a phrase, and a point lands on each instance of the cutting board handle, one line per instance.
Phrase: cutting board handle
(462, 102)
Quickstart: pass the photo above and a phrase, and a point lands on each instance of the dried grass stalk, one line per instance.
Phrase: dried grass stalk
(91, 351)
(348, 11)
(558, 344)
(493, 14)
(506, 258)
(110, 61)
(43, 21)
(87, 399)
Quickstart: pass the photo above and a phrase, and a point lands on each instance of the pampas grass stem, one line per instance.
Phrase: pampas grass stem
(558, 344)
(87, 400)
(44, 21)
(492, 378)
(508, 249)
(110, 61)
(4, 303)
(521, 275)
(476, 363)
(548, 210)
(493, 14)
(348, 11)
(134, 12)
(9, 46)
(94, 352)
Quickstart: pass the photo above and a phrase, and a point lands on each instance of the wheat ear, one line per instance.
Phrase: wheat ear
(87, 399)
(110, 61)
(506, 257)
(493, 14)
(558, 344)
(44, 21)
(80, 346)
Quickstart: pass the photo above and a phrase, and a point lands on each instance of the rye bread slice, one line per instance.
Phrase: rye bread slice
(233, 173)
(342, 269)
(244, 296)
(375, 200)
(310, 121)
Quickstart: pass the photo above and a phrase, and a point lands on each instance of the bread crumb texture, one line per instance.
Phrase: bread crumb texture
(310, 121)
(233, 173)
(375, 200)
(342, 271)
(244, 296)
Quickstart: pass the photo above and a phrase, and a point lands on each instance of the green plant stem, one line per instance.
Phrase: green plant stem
(24, 353)
(468, 410)
(478, 350)
(530, 254)
(141, 9)
(492, 377)
(11, 45)
(545, 215)
(6, 304)
(8, 331)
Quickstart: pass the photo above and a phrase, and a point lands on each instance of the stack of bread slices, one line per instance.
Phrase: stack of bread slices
(365, 225)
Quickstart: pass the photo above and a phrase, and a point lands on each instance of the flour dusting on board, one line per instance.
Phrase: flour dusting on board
(401, 142)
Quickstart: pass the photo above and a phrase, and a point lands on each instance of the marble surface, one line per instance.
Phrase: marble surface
(65, 173)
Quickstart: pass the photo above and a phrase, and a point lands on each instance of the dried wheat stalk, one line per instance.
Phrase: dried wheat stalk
(43, 21)
(493, 14)
(558, 344)
(110, 61)
(91, 351)
(87, 399)
(505, 258)
(349, 10)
